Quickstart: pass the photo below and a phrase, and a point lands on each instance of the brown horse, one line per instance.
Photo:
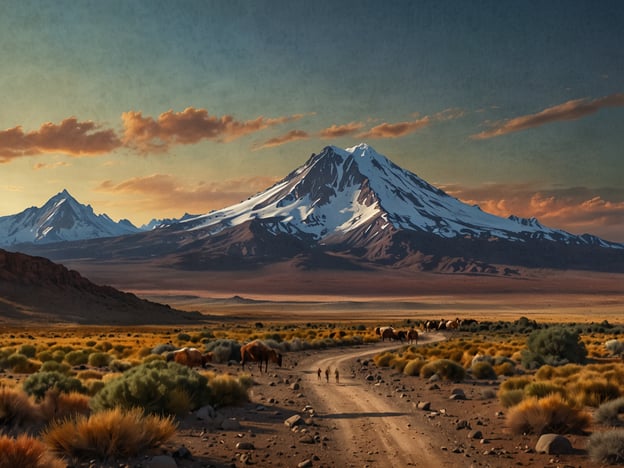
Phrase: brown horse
(191, 357)
(257, 351)
(392, 335)
(412, 336)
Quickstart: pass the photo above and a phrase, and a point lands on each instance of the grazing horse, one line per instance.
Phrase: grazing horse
(257, 351)
(191, 357)
(392, 335)
(412, 336)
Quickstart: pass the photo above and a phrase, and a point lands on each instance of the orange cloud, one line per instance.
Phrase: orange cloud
(395, 130)
(70, 137)
(42, 165)
(167, 196)
(189, 126)
(571, 110)
(336, 131)
(293, 135)
(578, 209)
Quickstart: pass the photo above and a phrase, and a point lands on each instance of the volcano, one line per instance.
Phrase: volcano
(354, 208)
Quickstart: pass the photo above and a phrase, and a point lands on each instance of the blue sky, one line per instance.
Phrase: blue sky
(150, 109)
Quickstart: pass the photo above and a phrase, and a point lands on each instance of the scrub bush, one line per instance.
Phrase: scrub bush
(38, 384)
(157, 387)
(555, 346)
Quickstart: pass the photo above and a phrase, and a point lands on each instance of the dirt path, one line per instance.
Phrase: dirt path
(371, 429)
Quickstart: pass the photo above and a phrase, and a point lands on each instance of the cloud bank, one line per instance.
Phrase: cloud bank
(571, 110)
(70, 137)
(190, 126)
(577, 209)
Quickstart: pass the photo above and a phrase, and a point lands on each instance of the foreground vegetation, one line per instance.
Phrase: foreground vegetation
(87, 393)
(554, 377)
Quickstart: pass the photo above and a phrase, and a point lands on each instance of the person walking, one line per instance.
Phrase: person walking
(327, 375)
(318, 373)
(337, 375)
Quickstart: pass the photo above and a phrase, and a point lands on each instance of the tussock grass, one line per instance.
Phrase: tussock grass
(607, 447)
(26, 452)
(549, 414)
(609, 412)
(16, 408)
(445, 368)
(58, 405)
(227, 390)
(109, 434)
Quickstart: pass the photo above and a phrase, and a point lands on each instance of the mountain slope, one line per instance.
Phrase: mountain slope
(36, 289)
(354, 209)
(340, 191)
(62, 218)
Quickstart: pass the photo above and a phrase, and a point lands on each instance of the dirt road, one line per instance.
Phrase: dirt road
(371, 427)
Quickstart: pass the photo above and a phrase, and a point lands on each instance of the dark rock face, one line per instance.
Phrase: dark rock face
(49, 291)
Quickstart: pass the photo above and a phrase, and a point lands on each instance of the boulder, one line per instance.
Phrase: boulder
(294, 420)
(553, 444)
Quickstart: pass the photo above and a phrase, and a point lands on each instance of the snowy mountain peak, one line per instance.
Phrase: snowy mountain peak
(340, 191)
(61, 218)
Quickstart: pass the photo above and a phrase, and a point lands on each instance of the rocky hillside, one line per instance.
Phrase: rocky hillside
(36, 289)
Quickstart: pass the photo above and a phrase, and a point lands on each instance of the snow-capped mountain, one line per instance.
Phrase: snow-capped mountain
(61, 218)
(339, 192)
(164, 222)
(353, 209)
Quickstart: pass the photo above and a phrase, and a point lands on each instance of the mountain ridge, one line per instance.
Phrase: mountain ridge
(353, 209)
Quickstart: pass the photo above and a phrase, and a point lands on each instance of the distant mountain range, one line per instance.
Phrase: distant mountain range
(63, 218)
(344, 208)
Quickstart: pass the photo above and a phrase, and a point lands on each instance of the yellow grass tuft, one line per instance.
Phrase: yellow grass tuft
(109, 434)
(26, 451)
(549, 414)
(16, 408)
(57, 405)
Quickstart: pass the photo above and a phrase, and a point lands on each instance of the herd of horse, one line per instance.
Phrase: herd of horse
(255, 351)
(411, 335)
(259, 352)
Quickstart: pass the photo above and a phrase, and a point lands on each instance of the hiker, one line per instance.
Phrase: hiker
(327, 375)
(318, 373)
(337, 374)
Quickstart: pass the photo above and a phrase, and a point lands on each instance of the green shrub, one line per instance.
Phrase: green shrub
(445, 368)
(414, 366)
(21, 364)
(157, 387)
(38, 384)
(555, 346)
(607, 447)
(609, 412)
(50, 366)
(117, 365)
(99, 359)
(483, 370)
(77, 358)
(224, 350)
(28, 350)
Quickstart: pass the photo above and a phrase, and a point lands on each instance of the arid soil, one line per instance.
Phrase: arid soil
(370, 418)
